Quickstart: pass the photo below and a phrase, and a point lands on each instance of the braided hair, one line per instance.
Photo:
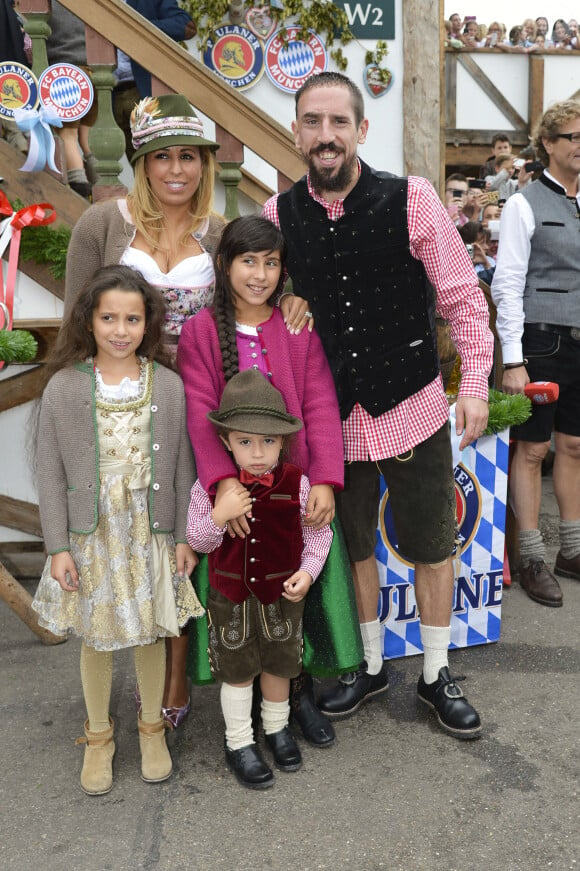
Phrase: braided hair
(249, 233)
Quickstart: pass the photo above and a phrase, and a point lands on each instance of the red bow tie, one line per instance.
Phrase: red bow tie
(265, 480)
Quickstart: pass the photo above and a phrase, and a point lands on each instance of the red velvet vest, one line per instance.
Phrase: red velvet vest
(271, 553)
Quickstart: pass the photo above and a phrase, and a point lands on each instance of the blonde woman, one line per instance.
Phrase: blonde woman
(167, 230)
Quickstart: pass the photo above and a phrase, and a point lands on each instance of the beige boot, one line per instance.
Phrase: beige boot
(156, 762)
(97, 773)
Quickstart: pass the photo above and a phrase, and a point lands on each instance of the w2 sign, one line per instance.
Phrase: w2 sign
(370, 19)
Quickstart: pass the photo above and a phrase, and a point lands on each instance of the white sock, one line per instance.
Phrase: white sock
(435, 640)
(236, 705)
(275, 716)
(371, 639)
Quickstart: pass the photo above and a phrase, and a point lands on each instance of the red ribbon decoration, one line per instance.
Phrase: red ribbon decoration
(37, 215)
(5, 207)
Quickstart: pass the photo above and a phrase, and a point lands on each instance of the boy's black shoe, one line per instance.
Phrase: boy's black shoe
(353, 689)
(287, 756)
(249, 767)
(316, 729)
(452, 709)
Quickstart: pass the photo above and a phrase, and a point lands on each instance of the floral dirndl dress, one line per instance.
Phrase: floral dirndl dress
(129, 591)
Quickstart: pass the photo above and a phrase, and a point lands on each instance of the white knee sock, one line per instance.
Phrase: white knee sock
(371, 638)
(435, 640)
(236, 705)
(275, 716)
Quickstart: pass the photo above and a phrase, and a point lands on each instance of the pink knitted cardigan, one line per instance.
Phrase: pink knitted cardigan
(300, 372)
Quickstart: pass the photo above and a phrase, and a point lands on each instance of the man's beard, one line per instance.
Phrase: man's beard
(324, 180)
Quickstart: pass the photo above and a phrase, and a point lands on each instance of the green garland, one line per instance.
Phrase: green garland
(41, 245)
(505, 410)
(46, 245)
(17, 346)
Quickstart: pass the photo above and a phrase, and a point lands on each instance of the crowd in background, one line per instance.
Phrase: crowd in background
(531, 35)
(474, 204)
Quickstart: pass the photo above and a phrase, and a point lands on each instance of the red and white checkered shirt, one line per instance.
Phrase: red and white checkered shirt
(435, 242)
(204, 536)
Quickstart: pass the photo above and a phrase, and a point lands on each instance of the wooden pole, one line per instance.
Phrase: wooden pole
(422, 88)
(19, 600)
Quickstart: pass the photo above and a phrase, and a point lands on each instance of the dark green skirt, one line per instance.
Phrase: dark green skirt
(332, 641)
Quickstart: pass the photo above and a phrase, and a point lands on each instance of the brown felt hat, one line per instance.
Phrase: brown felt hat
(250, 404)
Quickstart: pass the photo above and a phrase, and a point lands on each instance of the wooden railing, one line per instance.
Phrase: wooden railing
(531, 76)
(111, 24)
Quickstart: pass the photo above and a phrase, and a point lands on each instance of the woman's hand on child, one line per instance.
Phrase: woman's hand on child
(186, 559)
(63, 570)
(320, 507)
(232, 502)
(296, 587)
(296, 314)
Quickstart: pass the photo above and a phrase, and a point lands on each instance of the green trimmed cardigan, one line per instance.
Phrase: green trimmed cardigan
(68, 456)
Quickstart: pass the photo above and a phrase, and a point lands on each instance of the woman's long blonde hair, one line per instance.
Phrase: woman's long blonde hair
(147, 211)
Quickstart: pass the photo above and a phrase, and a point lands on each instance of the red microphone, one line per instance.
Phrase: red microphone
(542, 392)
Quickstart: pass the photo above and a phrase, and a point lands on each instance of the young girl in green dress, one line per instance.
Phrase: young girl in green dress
(242, 330)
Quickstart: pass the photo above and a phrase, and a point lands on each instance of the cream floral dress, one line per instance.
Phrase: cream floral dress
(129, 591)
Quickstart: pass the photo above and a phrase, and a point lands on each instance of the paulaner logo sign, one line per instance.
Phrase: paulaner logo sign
(480, 494)
(237, 56)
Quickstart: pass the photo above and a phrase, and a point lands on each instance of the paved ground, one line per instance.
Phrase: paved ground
(394, 793)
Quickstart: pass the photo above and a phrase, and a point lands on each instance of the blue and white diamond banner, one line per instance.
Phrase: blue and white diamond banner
(481, 492)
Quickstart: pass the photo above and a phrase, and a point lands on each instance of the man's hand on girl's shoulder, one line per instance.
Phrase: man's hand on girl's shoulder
(295, 313)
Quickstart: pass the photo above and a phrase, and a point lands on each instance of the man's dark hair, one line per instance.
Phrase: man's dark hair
(455, 176)
(327, 80)
(500, 137)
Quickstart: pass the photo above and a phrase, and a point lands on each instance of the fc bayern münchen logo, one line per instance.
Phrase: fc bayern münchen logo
(67, 89)
(18, 88)
(468, 504)
(237, 56)
(288, 66)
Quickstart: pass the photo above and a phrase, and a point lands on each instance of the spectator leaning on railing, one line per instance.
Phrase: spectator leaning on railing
(561, 36)
(542, 28)
(500, 144)
(12, 49)
(495, 34)
(456, 25)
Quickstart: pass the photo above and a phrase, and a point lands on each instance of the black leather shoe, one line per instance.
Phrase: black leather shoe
(249, 767)
(352, 691)
(540, 584)
(287, 756)
(303, 710)
(452, 709)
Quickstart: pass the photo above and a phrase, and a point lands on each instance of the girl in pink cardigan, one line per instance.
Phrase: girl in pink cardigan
(243, 329)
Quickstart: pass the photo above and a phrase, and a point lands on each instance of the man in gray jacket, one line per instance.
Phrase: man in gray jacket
(537, 294)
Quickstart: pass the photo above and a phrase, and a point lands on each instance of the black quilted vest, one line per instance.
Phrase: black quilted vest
(373, 305)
